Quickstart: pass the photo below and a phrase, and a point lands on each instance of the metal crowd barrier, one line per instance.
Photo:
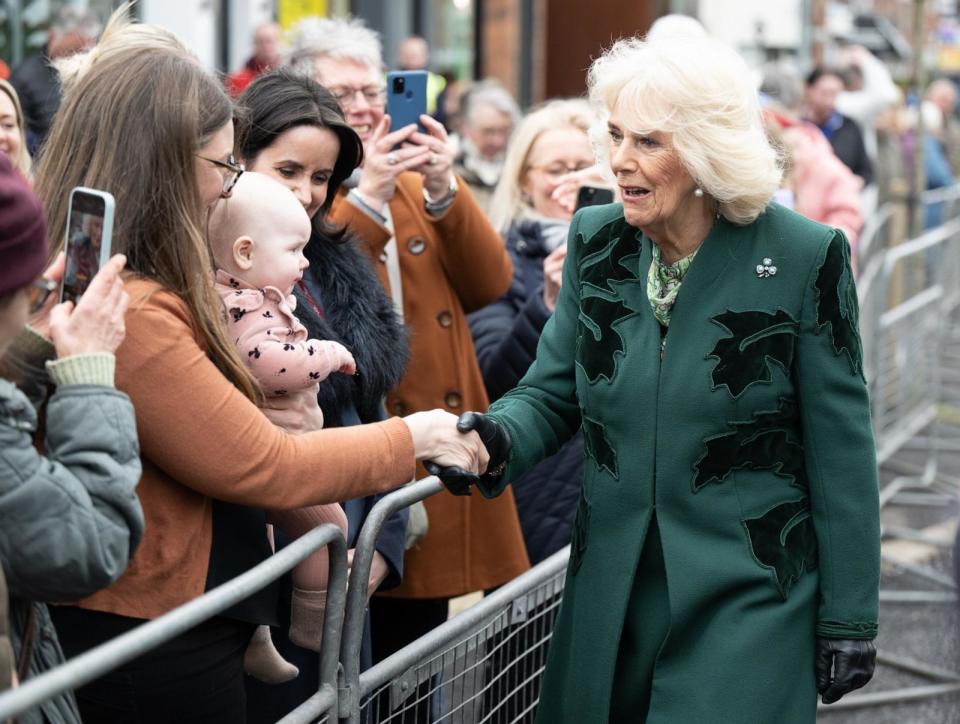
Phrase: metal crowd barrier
(104, 658)
(910, 303)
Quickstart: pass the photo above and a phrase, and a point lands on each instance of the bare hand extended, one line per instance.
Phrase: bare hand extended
(297, 413)
(435, 438)
(96, 324)
(553, 276)
(378, 179)
(569, 185)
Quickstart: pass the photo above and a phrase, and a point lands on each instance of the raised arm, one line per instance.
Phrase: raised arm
(201, 431)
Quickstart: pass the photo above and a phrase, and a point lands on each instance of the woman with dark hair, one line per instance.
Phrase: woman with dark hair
(291, 128)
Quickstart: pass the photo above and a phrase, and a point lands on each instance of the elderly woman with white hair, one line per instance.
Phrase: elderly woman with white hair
(725, 558)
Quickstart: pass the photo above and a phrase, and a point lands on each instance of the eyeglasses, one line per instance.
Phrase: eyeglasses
(556, 170)
(39, 292)
(236, 171)
(375, 95)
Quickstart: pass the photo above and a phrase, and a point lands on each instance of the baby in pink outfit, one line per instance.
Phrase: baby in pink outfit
(258, 236)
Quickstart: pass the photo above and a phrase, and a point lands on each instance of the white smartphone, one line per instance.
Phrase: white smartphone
(89, 239)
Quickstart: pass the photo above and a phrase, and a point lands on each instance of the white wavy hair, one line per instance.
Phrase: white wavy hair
(507, 203)
(338, 38)
(702, 95)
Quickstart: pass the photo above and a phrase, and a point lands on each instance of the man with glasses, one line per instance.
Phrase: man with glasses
(439, 257)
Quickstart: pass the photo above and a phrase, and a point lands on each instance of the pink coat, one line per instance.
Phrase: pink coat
(273, 342)
(825, 189)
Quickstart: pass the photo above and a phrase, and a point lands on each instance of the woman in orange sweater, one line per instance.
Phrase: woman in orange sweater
(155, 129)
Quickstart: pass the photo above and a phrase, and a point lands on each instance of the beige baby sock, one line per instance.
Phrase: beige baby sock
(262, 660)
(306, 618)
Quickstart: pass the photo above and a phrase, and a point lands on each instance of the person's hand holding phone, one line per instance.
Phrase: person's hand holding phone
(553, 276)
(569, 184)
(39, 321)
(96, 324)
(437, 169)
(382, 164)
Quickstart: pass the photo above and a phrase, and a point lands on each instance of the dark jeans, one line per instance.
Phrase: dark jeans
(195, 678)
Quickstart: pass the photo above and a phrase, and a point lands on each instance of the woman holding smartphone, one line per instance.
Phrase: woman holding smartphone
(165, 164)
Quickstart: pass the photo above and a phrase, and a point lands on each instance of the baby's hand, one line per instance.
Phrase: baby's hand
(338, 357)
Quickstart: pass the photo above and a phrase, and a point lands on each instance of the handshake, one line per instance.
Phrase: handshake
(461, 452)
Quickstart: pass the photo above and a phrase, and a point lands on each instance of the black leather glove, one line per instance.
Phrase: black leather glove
(495, 438)
(843, 665)
(497, 441)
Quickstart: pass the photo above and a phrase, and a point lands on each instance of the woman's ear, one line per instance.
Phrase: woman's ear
(243, 249)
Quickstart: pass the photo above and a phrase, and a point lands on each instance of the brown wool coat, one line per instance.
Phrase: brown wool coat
(449, 266)
(192, 424)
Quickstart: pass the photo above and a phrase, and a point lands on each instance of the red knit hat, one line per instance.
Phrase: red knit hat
(23, 231)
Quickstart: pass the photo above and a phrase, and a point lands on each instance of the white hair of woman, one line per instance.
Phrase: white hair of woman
(338, 38)
(701, 94)
(508, 202)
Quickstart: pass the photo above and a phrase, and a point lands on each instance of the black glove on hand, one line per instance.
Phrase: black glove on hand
(495, 438)
(456, 480)
(843, 665)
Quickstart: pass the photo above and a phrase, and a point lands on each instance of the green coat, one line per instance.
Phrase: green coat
(752, 440)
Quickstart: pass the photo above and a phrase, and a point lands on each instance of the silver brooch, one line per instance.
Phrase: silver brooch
(766, 269)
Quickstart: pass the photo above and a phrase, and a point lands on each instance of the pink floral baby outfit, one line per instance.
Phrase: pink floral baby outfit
(273, 342)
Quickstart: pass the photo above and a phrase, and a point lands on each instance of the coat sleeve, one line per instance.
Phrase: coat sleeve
(839, 450)
(472, 252)
(505, 336)
(542, 412)
(71, 518)
(201, 431)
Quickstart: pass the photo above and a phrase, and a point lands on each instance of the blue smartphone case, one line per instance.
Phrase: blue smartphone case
(406, 98)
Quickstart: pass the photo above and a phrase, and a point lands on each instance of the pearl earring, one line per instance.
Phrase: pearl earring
(698, 192)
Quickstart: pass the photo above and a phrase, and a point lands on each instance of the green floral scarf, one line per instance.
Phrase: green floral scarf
(663, 284)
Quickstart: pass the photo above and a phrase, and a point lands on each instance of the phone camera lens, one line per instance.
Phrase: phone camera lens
(398, 85)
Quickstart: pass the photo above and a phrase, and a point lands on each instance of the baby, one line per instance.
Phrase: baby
(258, 237)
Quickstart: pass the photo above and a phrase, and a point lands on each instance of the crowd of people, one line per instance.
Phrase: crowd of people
(309, 307)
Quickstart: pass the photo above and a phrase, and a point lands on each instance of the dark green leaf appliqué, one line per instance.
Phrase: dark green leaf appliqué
(837, 303)
(598, 447)
(600, 344)
(758, 340)
(581, 532)
(604, 265)
(783, 539)
(770, 441)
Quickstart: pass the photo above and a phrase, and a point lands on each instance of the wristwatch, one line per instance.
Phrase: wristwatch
(435, 207)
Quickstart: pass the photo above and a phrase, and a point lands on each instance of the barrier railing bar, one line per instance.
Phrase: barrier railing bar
(927, 239)
(359, 581)
(913, 305)
(905, 663)
(935, 597)
(116, 652)
(893, 696)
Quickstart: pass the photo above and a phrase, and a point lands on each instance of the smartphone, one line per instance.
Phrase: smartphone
(89, 240)
(593, 196)
(406, 98)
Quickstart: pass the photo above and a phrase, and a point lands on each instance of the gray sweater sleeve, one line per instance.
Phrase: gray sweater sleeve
(71, 519)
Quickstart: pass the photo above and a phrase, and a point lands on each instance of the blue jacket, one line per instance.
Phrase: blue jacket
(505, 335)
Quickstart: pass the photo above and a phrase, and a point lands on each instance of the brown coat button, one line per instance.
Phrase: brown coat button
(416, 245)
(398, 408)
(445, 318)
(453, 399)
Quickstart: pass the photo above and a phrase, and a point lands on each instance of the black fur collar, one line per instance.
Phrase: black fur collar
(358, 314)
